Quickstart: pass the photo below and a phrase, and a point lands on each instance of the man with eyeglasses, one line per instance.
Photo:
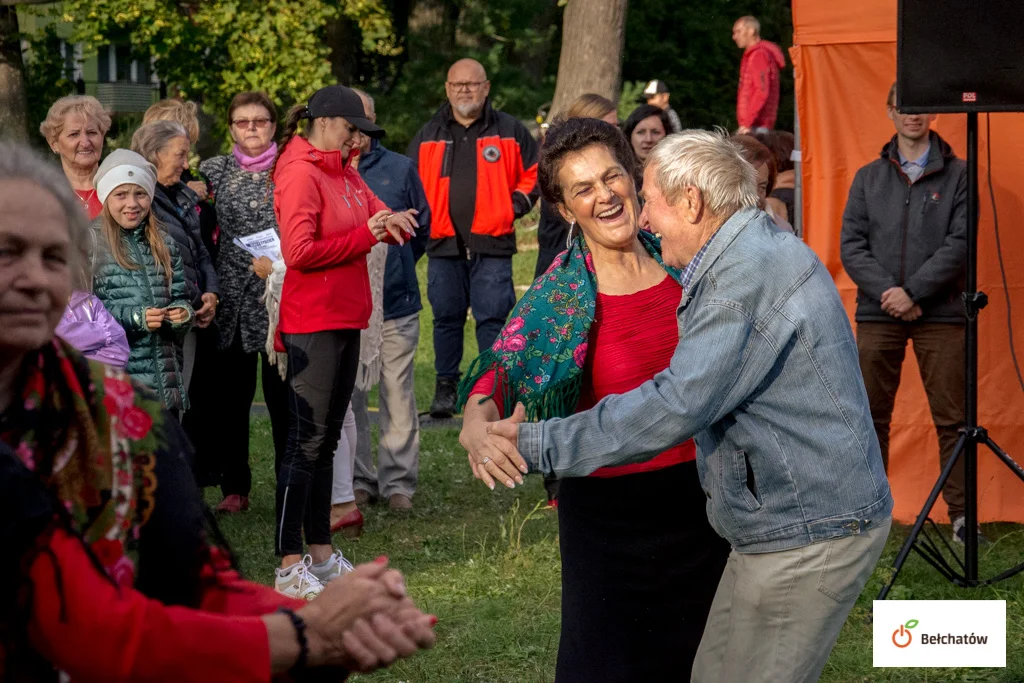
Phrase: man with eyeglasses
(903, 242)
(479, 170)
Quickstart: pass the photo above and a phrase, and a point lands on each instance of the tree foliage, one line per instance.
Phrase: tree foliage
(689, 46)
(214, 49)
(400, 50)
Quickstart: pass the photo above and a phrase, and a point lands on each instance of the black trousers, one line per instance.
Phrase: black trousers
(202, 421)
(640, 567)
(321, 375)
(236, 374)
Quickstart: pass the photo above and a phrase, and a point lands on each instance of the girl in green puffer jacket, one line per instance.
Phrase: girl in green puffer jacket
(139, 275)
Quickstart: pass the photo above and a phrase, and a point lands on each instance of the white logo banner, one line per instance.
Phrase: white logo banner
(939, 633)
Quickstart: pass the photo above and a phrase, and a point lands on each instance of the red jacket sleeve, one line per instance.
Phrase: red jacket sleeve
(110, 635)
(297, 201)
(228, 593)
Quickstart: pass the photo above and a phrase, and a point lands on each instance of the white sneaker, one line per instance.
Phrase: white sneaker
(297, 581)
(335, 566)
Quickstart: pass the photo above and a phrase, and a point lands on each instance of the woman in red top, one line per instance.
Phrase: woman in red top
(75, 128)
(109, 572)
(640, 562)
(329, 220)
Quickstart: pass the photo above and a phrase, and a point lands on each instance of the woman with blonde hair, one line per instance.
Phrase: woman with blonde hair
(139, 276)
(74, 129)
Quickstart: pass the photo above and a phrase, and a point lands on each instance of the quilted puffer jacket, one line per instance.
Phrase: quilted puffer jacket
(127, 294)
(177, 209)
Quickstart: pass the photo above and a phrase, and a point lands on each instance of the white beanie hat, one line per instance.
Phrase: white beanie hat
(123, 166)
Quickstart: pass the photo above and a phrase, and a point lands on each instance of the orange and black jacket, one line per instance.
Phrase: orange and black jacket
(505, 182)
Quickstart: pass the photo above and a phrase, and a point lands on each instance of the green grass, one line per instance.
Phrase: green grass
(487, 564)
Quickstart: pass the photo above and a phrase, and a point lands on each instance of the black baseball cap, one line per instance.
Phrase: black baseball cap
(337, 100)
(653, 88)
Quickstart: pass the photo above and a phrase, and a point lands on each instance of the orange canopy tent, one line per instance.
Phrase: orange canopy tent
(844, 56)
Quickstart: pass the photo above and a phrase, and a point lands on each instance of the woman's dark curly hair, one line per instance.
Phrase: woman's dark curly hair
(573, 135)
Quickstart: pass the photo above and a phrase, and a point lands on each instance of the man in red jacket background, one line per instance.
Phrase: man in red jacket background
(757, 102)
(479, 171)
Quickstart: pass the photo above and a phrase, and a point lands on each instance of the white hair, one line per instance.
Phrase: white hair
(711, 163)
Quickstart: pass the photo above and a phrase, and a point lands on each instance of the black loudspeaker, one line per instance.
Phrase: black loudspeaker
(959, 56)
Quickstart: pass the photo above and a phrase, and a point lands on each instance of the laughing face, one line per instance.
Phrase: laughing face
(599, 195)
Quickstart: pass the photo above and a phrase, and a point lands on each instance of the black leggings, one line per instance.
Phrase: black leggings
(321, 374)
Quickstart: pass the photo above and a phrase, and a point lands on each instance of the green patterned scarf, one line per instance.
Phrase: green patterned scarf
(540, 353)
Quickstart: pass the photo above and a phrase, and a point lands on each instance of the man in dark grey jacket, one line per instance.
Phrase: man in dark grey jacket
(904, 244)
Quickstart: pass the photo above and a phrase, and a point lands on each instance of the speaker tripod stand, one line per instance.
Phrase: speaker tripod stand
(965, 573)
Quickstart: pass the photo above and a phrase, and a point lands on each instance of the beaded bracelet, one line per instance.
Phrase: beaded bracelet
(300, 633)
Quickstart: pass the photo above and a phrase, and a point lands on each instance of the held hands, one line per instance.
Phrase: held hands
(398, 225)
(493, 449)
(177, 314)
(204, 316)
(896, 303)
(364, 620)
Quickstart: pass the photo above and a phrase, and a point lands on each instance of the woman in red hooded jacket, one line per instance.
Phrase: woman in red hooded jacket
(329, 220)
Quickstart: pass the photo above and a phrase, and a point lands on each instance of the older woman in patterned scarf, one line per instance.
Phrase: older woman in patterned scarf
(111, 571)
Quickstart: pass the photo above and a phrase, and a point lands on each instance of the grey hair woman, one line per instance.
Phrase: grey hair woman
(165, 144)
(68, 590)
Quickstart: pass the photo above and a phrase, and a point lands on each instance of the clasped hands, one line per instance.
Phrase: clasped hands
(898, 304)
(399, 225)
(365, 620)
(493, 449)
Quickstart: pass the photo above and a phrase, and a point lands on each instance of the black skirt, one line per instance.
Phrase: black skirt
(640, 567)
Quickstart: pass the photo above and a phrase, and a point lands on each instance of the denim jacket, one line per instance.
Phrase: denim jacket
(766, 379)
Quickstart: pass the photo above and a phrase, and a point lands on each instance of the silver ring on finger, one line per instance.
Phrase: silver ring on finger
(485, 461)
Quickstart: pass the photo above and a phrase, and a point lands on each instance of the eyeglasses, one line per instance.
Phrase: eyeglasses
(259, 123)
(470, 86)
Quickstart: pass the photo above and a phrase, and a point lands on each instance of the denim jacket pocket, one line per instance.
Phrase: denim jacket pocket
(739, 484)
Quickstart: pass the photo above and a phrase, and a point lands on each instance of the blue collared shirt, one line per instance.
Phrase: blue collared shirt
(914, 168)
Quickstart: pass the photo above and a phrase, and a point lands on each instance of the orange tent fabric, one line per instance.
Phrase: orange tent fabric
(844, 57)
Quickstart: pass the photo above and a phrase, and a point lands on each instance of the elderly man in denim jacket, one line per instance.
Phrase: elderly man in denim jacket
(766, 379)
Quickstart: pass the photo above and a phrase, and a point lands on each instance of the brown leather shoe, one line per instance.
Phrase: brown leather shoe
(364, 498)
(400, 502)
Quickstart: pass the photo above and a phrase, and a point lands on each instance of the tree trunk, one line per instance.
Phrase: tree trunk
(593, 35)
(13, 106)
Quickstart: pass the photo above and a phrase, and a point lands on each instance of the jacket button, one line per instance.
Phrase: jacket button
(253, 204)
(256, 176)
